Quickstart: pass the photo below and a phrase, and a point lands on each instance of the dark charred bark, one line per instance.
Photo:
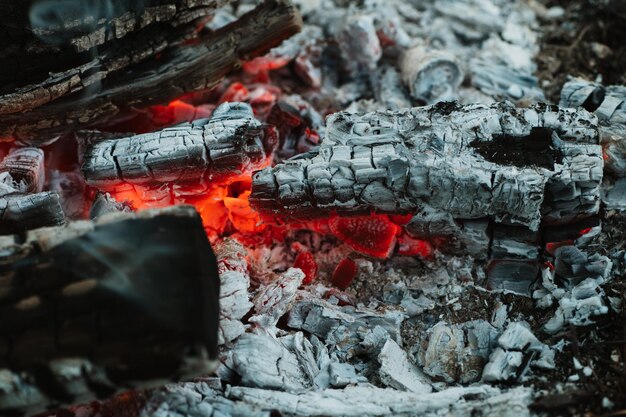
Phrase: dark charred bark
(159, 78)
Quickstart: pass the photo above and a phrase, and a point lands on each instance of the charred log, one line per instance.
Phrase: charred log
(436, 159)
(158, 79)
(231, 142)
(136, 295)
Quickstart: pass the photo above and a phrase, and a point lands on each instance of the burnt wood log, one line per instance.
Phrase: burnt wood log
(161, 78)
(516, 166)
(134, 295)
(47, 42)
(203, 152)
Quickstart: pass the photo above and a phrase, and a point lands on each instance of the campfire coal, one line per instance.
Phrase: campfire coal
(222, 208)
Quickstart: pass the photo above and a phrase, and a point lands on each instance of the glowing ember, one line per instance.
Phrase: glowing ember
(306, 263)
(373, 235)
(344, 273)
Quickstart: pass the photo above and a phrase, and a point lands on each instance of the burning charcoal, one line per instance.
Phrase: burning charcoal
(23, 170)
(397, 371)
(104, 290)
(230, 143)
(517, 165)
(457, 353)
(294, 130)
(305, 51)
(234, 284)
(518, 348)
(160, 78)
(514, 242)
(20, 212)
(104, 204)
(431, 75)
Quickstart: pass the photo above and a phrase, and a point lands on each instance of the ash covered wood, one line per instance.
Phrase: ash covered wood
(157, 79)
(134, 295)
(205, 151)
(469, 161)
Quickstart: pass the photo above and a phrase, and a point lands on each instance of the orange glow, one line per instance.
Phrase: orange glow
(241, 215)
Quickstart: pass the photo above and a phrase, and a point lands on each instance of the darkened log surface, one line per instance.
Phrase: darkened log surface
(21, 212)
(44, 36)
(135, 294)
(517, 166)
(160, 78)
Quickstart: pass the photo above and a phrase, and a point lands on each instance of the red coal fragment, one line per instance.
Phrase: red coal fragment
(307, 264)
(344, 273)
(235, 92)
(413, 247)
(373, 235)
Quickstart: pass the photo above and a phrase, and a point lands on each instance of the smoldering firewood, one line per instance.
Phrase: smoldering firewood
(104, 291)
(124, 33)
(20, 212)
(519, 166)
(231, 142)
(22, 170)
(197, 66)
(431, 75)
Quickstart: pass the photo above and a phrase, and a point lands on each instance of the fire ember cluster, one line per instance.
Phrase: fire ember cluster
(313, 208)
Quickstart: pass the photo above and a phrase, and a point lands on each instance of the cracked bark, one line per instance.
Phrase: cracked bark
(206, 151)
(160, 78)
(517, 166)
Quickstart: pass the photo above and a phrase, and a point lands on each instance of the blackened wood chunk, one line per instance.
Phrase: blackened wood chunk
(137, 294)
(21, 212)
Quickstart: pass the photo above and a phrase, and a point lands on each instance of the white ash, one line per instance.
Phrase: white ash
(272, 301)
(517, 349)
(582, 296)
(261, 360)
(234, 284)
(397, 371)
(458, 352)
